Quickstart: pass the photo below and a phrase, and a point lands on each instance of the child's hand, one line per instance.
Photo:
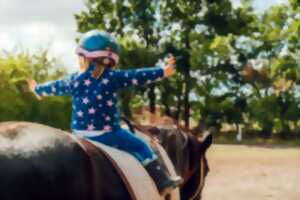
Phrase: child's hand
(32, 85)
(170, 67)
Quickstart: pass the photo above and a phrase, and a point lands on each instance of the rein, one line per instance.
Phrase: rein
(191, 173)
(186, 177)
(201, 184)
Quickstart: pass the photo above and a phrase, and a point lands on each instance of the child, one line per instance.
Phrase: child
(93, 90)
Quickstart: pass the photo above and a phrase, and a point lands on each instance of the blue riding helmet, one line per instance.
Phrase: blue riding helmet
(99, 44)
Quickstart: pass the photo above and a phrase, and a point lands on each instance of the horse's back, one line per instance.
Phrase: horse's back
(106, 182)
(39, 162)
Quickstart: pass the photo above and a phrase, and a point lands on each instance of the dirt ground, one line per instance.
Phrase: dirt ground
(252, 173)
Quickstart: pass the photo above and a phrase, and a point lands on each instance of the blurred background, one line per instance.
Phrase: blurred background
(238, 61)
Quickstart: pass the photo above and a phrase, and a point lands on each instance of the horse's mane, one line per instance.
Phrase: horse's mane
(162, 121)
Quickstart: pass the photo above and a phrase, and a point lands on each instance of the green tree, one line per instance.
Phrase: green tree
(234, 65)
(276, 78)
(17, 103)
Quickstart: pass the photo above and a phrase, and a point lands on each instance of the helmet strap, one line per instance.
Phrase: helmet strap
(98, 71)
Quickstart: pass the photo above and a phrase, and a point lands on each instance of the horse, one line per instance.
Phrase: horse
(40, 162)
(186, 151)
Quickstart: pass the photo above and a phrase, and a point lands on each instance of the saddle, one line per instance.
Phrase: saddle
(136, 179)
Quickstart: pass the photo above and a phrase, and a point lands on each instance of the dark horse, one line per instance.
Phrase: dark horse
(187, 153)
(43, 163)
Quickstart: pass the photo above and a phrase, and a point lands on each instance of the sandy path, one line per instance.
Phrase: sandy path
(253, 173)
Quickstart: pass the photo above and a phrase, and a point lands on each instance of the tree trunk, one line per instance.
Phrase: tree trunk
(187, 88)
(186, 99)
(151, 93)
(178, 107)
(165, 103)
(152, 98)
(167, 109)
(266, 133)
(284, 134)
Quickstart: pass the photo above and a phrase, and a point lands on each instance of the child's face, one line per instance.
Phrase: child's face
(83, 63)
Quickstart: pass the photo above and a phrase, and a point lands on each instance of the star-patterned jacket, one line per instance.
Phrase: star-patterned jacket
(94, 101)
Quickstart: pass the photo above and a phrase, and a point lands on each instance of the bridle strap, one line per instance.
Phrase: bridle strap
(201, 184)
(188, 175)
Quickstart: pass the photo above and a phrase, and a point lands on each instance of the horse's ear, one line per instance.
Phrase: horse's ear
(205, 141)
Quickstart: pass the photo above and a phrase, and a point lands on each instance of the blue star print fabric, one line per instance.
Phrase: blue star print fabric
(94, 101)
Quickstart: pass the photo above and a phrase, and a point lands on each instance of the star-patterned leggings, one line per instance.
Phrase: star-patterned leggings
(129, 142)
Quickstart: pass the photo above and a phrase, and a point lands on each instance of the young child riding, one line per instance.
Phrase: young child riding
(94, 100)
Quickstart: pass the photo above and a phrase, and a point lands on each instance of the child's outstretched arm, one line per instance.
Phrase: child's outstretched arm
(60, 87)
(127, 78)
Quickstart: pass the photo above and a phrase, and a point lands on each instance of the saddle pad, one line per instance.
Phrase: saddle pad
(138, 182)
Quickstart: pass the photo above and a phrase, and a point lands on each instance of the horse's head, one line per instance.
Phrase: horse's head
(187, 153)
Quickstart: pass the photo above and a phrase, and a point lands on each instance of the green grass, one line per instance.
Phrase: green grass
(230, 138)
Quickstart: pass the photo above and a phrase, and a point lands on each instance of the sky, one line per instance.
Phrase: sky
(34, 25)
(261, 5)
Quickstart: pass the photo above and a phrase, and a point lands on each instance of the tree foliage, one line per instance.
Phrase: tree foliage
(17, 103)
(235, 66)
